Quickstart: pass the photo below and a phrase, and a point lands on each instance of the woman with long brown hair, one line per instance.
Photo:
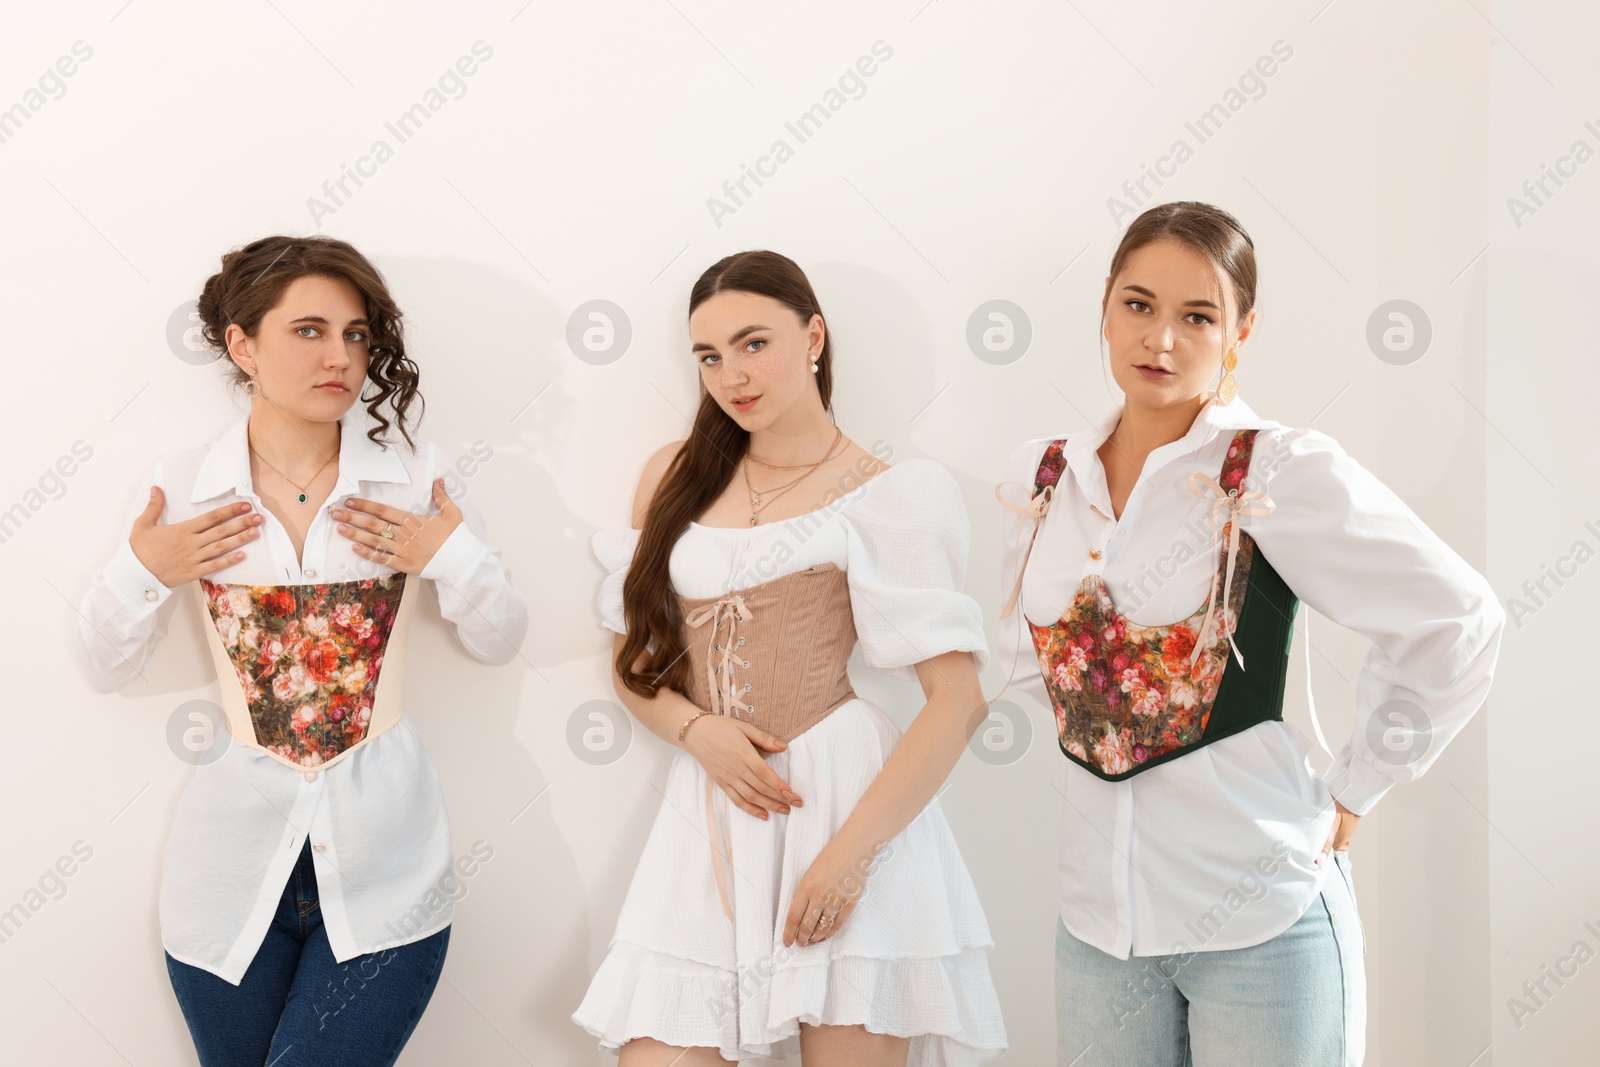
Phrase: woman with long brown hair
(1208, 912)
(800, 888)
(307, 891)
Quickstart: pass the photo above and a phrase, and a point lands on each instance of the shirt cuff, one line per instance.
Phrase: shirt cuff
(455, 560)
(132, 581)
(1358, 785)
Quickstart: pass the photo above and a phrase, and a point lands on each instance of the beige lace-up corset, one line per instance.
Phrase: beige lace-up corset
(776, 654)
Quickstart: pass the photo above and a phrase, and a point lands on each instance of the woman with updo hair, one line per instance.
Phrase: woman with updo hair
(306, 895)
(1207, 911)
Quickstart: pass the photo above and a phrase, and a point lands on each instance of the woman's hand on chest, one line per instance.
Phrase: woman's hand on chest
(181, 552)
(404, 540)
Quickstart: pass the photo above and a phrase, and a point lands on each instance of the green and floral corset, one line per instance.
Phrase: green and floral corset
(1129, 697)
(308, 672)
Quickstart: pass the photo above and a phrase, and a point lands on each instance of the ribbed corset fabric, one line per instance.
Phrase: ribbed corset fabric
(775, 655)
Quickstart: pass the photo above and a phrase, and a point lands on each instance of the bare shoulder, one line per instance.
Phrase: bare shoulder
(655, 469)
(864, 462)
(848, 471)
(857, 464)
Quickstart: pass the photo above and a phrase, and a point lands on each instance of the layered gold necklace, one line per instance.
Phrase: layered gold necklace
(759, 501)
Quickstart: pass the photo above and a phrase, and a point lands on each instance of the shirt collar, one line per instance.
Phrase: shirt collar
(1212, 419)
(227, 461)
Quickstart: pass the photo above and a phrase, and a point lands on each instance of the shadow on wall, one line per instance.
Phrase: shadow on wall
(492, 369)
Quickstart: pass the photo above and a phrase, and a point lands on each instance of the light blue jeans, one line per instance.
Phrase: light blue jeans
(1299, 998)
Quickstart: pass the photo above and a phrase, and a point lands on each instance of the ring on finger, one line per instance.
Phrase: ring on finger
(388, 532)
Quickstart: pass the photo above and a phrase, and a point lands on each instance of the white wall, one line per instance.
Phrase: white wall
(1543, 272)
(977, 166)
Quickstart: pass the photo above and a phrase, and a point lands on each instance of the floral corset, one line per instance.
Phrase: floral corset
(1128, 697)
(302, 667)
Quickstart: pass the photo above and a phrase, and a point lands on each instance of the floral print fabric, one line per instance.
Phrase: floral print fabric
(307, 658)
(1125, 694)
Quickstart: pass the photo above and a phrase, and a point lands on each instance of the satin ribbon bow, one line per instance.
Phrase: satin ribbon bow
(1226, 507)
(733, 609)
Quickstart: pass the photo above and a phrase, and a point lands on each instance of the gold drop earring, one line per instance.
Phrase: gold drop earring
(1227, 389)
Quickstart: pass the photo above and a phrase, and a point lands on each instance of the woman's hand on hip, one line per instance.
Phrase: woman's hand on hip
(1344, 828)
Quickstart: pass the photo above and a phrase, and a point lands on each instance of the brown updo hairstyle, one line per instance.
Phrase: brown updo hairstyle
(1202, 228)
(697, 476)
(252, 281)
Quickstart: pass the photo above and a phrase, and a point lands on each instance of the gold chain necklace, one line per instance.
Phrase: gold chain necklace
(284, 476)
(760, 501)
(776, 467)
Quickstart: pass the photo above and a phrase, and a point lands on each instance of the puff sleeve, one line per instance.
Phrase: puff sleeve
(614, 547)
(908, 536)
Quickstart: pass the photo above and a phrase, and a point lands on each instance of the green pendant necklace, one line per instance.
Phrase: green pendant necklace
(288, 479)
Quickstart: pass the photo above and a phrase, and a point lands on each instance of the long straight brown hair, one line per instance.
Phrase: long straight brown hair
(697, 476)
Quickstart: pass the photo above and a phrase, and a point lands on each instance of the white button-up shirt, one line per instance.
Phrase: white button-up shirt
(376, 819)
(1219, 848)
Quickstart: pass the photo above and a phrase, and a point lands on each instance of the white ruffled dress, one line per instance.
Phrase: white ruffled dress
(912, 959)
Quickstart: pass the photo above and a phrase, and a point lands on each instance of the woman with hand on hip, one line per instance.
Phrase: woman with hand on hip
(1207, 909)
(800, 889)
(301, 908)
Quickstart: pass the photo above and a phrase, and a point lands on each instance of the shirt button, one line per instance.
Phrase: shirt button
(311, 574)
(151, 595)
(311, 776)
(319, 847)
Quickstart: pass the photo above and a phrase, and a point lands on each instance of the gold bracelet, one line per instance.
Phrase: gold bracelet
(684, 729)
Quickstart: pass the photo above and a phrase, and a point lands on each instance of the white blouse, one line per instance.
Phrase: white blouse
(380, 836)
(1174, 858)
(901, 537)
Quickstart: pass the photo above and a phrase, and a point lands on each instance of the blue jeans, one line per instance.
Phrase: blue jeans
(297, 1007)
(1299, 998)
